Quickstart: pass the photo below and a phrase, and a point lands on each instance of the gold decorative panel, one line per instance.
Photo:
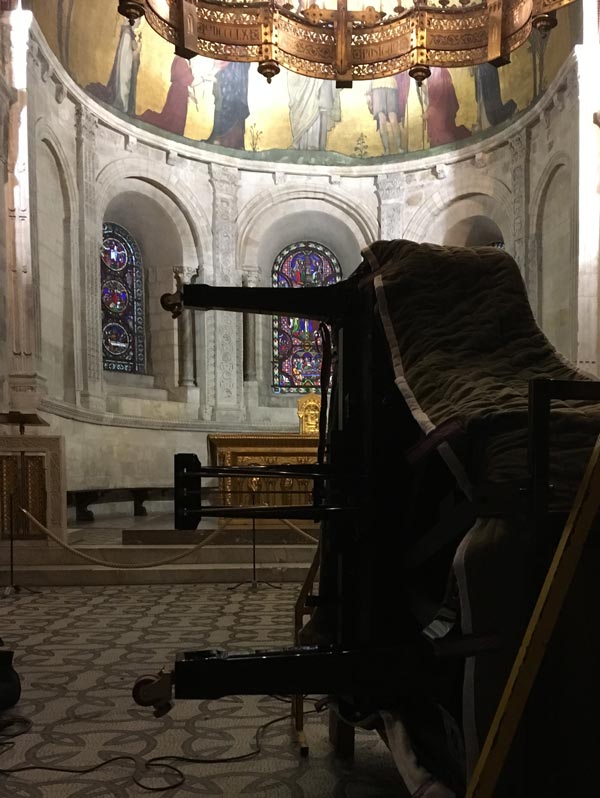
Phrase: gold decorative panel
(261, 450)
(309, 408)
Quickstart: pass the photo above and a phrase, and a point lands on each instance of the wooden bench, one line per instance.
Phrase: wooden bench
(81, 499)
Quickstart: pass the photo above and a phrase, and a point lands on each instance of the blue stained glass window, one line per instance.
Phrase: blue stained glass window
(297, 351)
(122, 297)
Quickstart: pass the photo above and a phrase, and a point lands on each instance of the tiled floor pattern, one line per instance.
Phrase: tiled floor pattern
(78, 652)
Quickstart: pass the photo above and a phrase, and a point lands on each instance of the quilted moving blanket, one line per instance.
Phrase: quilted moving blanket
(464, 346)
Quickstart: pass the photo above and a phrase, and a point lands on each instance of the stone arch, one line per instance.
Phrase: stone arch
(192, 222)
(171, 344)
(54, 251)
(272, 220)
(473, 231)
(553, 246)
(460, 199)
(282, 215)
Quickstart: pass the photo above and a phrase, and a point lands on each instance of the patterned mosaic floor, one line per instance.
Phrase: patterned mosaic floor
(78, 652)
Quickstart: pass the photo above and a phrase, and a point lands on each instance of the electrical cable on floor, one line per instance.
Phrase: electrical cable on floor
(157, 762)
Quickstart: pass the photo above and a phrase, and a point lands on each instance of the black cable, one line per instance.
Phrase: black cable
(155, 762)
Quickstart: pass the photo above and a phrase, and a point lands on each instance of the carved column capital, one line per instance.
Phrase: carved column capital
(391, 191)
(87, 123)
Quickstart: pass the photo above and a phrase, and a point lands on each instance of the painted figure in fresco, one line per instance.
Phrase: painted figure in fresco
(314, 110)
(441, 106)
(230, 89)
(490, 108)
(314, 106)
(537, 47)
(387, 99)
(120, 91)
(174, 113)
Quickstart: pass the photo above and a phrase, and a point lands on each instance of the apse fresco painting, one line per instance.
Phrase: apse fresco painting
(297, 346)
(295, 118)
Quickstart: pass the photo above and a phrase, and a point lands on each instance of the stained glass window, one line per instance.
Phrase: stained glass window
(122, 297)
(297, 351)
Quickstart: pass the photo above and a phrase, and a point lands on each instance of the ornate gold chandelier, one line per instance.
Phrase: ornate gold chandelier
(343, 43)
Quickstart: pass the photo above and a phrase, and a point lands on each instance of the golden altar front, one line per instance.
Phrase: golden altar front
(245, 449)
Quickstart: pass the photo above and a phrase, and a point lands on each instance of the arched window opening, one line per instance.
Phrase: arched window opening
(297, 349)
(122, 297)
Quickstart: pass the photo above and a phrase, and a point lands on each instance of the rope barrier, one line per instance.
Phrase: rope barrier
(109, 563)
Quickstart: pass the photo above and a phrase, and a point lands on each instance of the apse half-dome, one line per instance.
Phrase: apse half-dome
(228, 105)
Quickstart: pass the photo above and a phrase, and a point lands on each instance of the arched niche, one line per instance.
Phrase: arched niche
(313, 225)
(273, 219)
(319, 223)
(143, 214)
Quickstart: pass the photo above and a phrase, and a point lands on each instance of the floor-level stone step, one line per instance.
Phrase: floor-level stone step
(40, 575)
(43, 554)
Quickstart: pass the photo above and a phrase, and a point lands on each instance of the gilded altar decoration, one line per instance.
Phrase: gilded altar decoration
(263, 450)
(309, 408)
(347, 41)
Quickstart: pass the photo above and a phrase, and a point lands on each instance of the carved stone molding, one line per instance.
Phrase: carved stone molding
(60, 92)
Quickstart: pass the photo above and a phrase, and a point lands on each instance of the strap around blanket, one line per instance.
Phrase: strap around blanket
(448, 431)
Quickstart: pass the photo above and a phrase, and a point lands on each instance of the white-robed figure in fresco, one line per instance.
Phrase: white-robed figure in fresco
(120, 91)
(314, 110)
(314, 107)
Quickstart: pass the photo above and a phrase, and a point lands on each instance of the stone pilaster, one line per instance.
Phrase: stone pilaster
(7, 96)
(185, 335)
(584, 87)
(228, 358)
(519, 146)
(90, 242)
(25, 383)
(390, 191)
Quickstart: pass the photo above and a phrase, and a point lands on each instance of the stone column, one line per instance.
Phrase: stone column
(228, 357)
(185, 335)
(390, 191)
(90, 242)
(250, 280)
